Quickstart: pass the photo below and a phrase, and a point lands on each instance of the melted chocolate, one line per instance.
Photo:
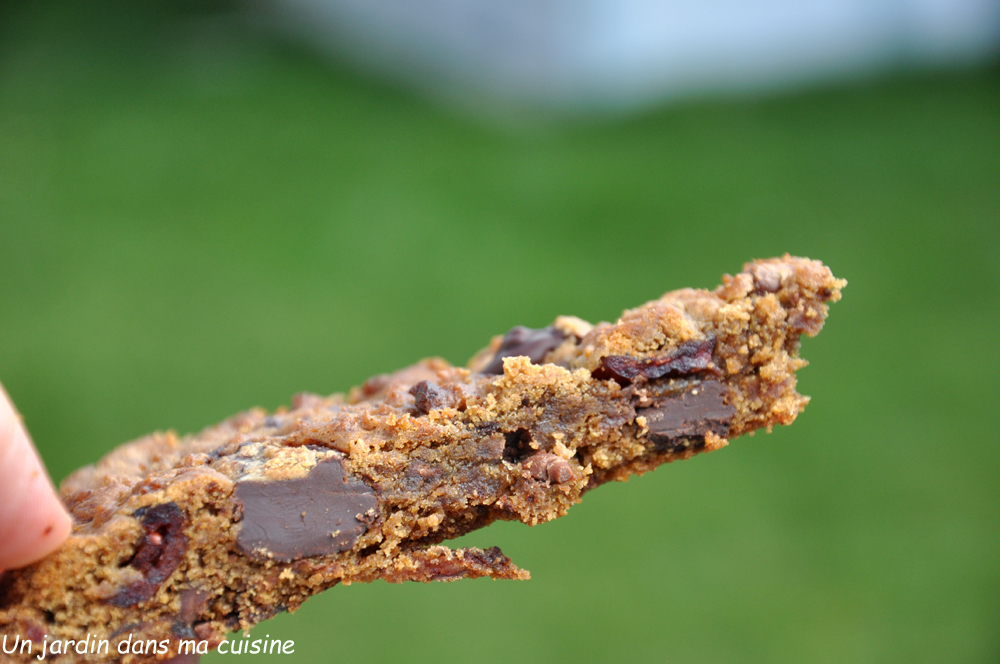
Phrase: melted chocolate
(690, 415)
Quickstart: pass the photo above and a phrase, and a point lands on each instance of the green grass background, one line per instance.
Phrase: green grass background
(196, 219)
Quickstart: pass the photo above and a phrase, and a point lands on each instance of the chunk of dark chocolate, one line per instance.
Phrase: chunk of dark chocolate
(689, 357)
(160, 552)
(700, 409)
(525, 341)
(316, 515)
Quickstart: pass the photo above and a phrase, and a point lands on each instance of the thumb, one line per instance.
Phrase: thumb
(33, 522)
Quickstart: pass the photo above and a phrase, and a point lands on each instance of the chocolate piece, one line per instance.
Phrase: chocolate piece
(549, 467)
(426, 397)
(525, 341)
(561, 472)
(689, 357)
(312, 516)
(694, 413)
(160, 552)
(193, 604)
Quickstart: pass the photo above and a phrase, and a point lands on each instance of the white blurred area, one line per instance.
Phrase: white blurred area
(619, 55)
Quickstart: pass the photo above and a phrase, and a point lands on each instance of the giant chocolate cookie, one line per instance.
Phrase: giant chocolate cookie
(177, 541)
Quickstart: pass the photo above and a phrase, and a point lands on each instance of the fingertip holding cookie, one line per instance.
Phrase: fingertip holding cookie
(33, 521)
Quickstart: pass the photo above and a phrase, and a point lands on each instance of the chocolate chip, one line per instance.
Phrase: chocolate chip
(426, 397)
(560, 471)
(525, 341)
(544, 466)
(160, 552)
(690, 415)
(193, 604)
(319, 514)
(537, 465)
(689, 357)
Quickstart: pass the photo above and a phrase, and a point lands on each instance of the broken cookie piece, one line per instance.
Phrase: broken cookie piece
(186, 539)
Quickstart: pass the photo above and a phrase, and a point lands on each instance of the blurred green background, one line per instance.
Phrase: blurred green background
(196, 219)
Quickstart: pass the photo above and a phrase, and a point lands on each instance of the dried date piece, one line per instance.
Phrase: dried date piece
(535, 344)
(689, 357)
(160, 552)
(426, 397)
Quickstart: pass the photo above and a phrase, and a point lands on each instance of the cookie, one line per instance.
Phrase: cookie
(179, 541)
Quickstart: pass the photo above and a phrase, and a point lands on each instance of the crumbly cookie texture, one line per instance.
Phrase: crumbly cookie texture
(190, 538)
